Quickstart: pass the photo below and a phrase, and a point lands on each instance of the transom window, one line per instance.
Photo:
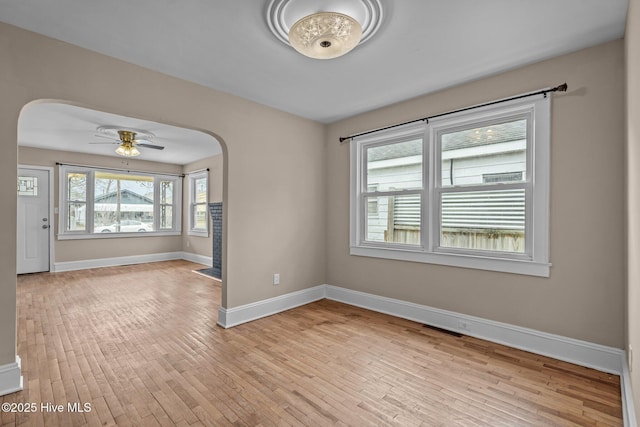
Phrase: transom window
(468, 189)
(102, 203)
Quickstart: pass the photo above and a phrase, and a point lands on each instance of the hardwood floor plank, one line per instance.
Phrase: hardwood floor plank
(140, 344)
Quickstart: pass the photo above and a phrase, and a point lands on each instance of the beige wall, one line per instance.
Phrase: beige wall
(77, 250)
(196, 244)
(584, 297)
(274, 188)
(632, 39)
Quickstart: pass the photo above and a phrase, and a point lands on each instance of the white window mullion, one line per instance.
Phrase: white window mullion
(157, 204)
(90, 201)
(362, 223)
(430, 174)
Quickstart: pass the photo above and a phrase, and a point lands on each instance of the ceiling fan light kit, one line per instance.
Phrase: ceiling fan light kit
(127, 149)
(324, 34)
(128, 139)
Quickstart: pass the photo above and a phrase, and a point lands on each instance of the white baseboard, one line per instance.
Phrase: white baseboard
(596, 356)
(198, 259)
(628, 409)
(228, 318)
(127, 260)
(11, 377)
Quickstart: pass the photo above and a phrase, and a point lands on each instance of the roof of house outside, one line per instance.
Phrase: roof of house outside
(126, 197)
(486, 135)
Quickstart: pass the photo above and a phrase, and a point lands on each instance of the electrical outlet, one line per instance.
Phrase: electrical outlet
(276, 279)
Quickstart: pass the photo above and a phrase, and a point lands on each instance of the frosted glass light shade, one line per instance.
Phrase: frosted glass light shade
(325, 35)
(127, 150)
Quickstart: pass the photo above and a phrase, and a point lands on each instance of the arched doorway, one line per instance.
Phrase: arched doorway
(112, 197)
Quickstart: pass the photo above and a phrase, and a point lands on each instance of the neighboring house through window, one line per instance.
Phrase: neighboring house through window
(101, 202)
(468, 189)
(198, 202)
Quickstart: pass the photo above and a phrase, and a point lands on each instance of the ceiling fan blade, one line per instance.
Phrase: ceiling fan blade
(106, 136)
(113, 142)
(155, 147)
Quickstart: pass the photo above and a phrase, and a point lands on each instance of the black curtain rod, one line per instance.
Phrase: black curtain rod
(117, 169)
(560, 88)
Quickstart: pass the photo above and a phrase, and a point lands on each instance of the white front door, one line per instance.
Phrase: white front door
(33, 221)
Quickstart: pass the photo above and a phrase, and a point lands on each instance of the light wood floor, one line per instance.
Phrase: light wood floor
(141, 345)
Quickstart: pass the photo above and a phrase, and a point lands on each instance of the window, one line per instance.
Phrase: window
(198, 202)
(28, 186)
(102, 203)
(467, 189)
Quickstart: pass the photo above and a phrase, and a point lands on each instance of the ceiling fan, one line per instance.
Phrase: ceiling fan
(128, 140)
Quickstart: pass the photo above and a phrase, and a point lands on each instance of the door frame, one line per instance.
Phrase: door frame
(52, 222)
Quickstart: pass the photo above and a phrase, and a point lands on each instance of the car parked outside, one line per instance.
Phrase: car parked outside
(125, 226)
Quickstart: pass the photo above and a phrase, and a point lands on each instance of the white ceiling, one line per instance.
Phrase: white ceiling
(422, 45)
(69, 128)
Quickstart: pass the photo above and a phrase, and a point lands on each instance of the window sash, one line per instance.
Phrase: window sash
(453, 125)
(194, 203)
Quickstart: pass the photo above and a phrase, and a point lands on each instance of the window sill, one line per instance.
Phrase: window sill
(70, 236)
(529, 268)
(198, 233)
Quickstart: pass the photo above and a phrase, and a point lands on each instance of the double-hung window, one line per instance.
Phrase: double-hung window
(469, 189)
(109, 202)
(198, 202)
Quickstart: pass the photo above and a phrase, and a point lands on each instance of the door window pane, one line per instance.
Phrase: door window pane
(28, 186)
(486, 154)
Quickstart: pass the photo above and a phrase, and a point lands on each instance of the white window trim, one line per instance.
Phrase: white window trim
(535, 263)
(192, 179)
(64, 234)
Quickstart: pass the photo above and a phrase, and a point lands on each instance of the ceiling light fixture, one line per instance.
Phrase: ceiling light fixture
(127, 149)
(324, 33)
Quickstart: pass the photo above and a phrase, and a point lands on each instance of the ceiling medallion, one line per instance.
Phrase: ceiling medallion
(114, 132)
(324, 33)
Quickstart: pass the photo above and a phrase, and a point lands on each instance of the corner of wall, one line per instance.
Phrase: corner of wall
(11, 377)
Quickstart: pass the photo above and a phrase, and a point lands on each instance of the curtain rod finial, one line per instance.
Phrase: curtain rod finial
(562, 88)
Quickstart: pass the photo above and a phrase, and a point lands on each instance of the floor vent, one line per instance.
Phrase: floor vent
(444, 331)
